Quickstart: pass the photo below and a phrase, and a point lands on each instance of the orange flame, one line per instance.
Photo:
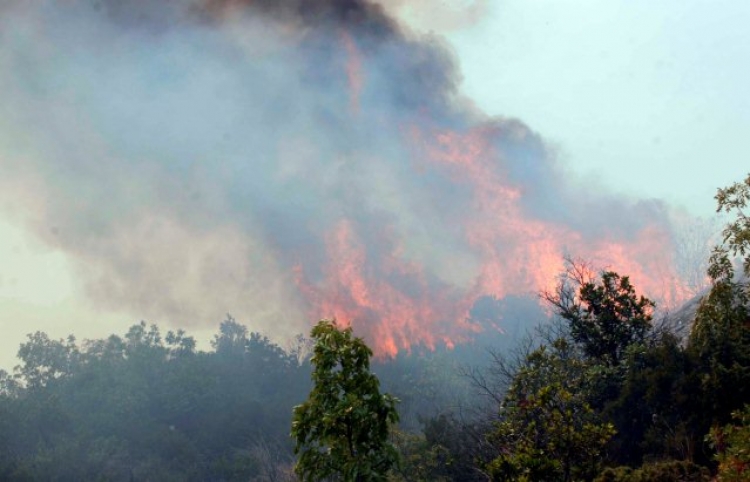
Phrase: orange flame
(357, 291)
(396, 304)
(522, 254)
(397, 301)
(517, 255)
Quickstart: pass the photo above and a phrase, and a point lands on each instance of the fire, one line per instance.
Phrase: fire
(519, 255)
(373, 284)
(521, 252)
(648, 263)
(389, 297)
(330, 144)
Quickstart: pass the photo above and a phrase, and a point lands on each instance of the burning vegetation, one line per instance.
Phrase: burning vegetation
(291, 160)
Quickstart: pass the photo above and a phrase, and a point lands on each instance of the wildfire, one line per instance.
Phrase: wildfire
(330, 144)
(391, 299)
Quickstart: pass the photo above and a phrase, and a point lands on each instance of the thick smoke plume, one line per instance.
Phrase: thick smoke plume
(287, 161)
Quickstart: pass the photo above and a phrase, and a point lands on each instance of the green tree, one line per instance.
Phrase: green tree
(149, 407)
(662, 471)
(421, 461)
(342, 430)
(547, 430)
(734, 198)
(720, 338)
(732, 444)
(586, 395)
(45, 360)
(720, 341)
(604, 317)
(656, 407)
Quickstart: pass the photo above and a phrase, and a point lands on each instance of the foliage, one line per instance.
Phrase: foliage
(148, 407)
(420, 460)
(46, 360)
(342, 430)
(663, 471)
(604, 317)
(655, 408)
(736, 235)
(732, 443)
(458, 445)
(547, 429)
(720, 341)
(720, 338)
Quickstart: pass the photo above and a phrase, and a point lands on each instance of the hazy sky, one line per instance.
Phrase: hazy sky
(640, 97)
(645, 97)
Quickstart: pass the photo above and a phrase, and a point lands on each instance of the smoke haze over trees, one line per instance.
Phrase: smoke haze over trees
(292, 160)
(602, 394)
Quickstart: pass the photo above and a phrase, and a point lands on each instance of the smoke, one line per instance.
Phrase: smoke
(287, 161)
(443, 16)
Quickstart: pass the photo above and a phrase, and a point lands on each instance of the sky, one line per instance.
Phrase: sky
(647, 98)
(644, 99)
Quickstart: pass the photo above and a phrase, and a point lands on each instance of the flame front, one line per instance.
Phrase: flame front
(392, 298)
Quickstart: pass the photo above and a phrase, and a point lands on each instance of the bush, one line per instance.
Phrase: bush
(664, 471)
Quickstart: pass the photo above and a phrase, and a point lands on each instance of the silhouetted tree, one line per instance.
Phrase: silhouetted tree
(605, 316)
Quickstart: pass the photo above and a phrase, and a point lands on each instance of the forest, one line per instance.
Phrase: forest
(426, 249)
(602, 391)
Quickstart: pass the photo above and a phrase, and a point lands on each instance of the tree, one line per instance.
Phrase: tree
(732, 443)
(720, 338)
(547, 429)
(341, 431)
(231, 340)
(656, 408)
(662, 471)
(46, 360)
(720, 341)
(734, 198)
(605, 317)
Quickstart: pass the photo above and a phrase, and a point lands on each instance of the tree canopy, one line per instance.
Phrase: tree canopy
(604, 316)
(547, 429)
(342, 430)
